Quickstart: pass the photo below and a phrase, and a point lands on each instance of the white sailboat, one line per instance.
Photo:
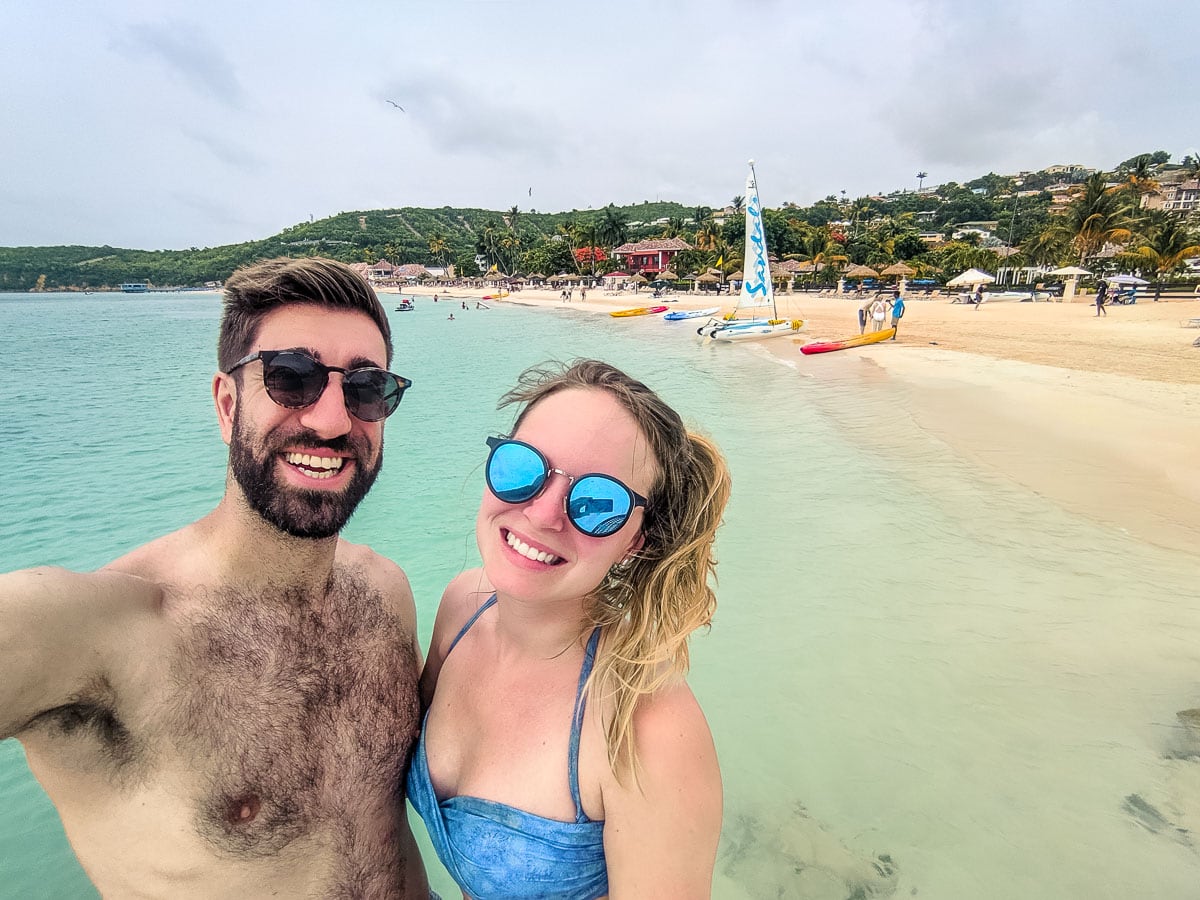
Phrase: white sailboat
(757, 290)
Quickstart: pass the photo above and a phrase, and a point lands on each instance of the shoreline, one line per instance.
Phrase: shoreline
(1098, 415)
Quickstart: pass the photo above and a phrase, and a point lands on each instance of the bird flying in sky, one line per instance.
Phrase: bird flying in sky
(397, 105)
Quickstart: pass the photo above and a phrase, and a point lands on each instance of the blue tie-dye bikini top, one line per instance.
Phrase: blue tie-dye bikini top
(495, 851)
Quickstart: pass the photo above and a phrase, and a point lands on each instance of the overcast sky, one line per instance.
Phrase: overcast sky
(162, 124)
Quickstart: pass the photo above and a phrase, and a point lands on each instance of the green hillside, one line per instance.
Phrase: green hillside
(399, 235)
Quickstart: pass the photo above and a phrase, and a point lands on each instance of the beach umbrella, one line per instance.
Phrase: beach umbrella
(857, 271)
(899, 268)
(667, 275)
(971, 277)
(1071, 273)
(640, 279)
(536, 276)
(708, 278)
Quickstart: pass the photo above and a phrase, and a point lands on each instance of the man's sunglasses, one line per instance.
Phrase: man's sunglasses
(597, 505)
(296, 380)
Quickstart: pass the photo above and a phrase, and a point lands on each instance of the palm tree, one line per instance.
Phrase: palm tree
(921, 176)
(819, 248)
(1097, 217)
(568, 230)
(708, 234)
(438, 247)
(1049, 247)
(738, 203)
(584, 236)
(511, 217)
(614, 230)
(1168, 245)
(488, 242)
(1140, 176)
(673, 226)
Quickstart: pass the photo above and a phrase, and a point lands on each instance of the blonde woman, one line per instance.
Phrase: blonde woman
(562, 753)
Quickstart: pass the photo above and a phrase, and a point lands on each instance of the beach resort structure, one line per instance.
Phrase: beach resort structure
(383, 272)
(1181, 198)
(650, 256)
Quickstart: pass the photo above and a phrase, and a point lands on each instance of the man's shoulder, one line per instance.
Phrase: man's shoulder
(374, 564)
(105, 583)
(380, 573)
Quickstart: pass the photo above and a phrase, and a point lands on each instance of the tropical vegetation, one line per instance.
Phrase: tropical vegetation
(1099, 220)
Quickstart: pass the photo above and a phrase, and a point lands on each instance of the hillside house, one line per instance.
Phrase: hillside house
(651, 256)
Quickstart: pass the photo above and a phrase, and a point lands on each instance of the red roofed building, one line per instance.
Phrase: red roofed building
(650, 256)
(410, 271)
(381, 270)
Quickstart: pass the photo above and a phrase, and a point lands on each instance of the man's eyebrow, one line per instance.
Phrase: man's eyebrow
(357, 362)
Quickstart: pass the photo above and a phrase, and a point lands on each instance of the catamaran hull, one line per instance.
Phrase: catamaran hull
(857, 341)
(710, 328)
(678, 314)
(758, 332)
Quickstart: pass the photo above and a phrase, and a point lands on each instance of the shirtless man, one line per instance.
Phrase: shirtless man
(228, 710)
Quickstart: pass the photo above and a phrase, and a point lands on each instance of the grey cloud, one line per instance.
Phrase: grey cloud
(187, 51)
(459, 118)
(229, 152)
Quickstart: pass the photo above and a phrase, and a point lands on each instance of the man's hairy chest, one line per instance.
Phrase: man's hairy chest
(279, 716)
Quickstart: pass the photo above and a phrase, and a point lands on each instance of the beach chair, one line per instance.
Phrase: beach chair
(1191, 323)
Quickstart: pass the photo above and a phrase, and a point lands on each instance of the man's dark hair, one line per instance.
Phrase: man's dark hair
(254, 291)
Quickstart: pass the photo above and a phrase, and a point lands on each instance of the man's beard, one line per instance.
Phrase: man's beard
(295, 511)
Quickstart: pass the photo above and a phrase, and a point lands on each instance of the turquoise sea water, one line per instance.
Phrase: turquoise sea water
(911, 658)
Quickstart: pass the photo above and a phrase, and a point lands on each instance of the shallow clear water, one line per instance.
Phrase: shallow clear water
(910, 657)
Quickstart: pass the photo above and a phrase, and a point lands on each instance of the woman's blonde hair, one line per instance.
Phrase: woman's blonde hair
(647, 607)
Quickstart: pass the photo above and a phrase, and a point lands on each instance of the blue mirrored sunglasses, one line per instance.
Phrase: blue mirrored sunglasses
(597, 505)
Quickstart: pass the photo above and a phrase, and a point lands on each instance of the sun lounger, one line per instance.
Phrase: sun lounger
(1191, 323)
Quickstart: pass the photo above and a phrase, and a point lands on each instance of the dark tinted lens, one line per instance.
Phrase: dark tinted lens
(294, 380)
(515, 472)
(599, 505)
(372, 394)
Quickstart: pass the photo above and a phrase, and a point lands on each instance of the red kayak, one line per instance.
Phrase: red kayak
(857, 341)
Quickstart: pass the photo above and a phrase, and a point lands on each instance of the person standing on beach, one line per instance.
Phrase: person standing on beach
(864, 313)
(879, 309)
(897, 312)
(1101, 297)
(229, 709)
(563, 753)
(978, 297)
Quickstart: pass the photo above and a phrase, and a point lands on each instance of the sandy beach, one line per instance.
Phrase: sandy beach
(1100, 415)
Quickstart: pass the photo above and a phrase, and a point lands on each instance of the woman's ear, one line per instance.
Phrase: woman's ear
(224, 389)
(635, 545)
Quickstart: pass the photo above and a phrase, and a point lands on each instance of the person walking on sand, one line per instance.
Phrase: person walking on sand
(1101, 298)
(978, 297)
(227, 710)
(897, 312)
